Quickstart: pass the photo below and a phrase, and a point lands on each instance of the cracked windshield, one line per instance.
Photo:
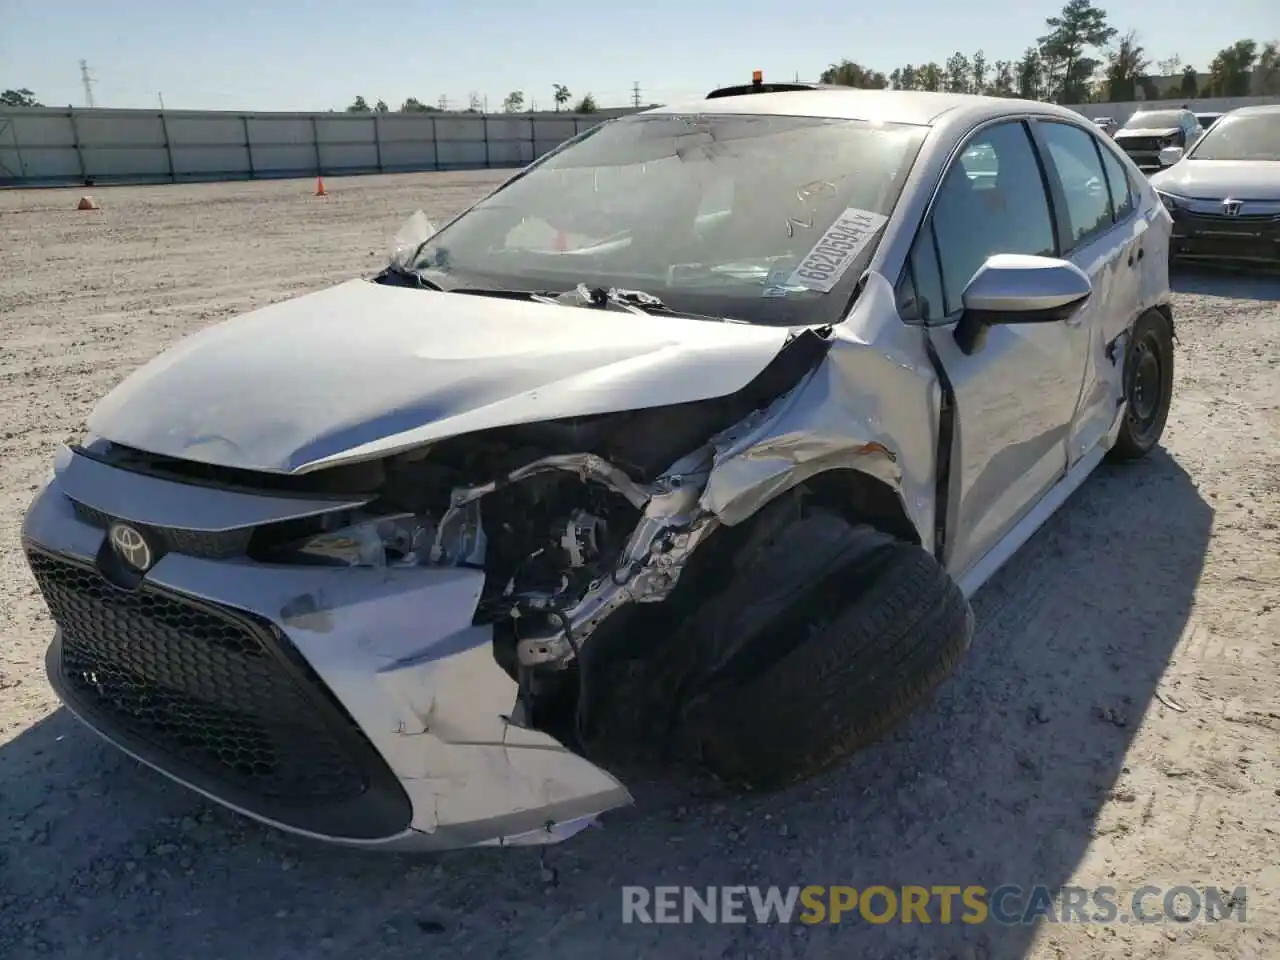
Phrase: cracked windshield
(764, 219)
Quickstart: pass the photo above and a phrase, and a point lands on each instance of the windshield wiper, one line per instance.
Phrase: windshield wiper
(634, 301)
(397, 274)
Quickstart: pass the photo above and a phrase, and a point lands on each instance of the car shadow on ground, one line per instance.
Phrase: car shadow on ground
(1223, 282)
(999, 781)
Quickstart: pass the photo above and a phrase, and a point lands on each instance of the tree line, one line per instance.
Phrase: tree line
(514, 102)
(1081, 58)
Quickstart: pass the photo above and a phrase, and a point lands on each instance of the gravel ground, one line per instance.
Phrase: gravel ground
(1116, 723)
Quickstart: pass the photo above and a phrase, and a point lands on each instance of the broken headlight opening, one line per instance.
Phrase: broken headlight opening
(564, 539)
(393, 540)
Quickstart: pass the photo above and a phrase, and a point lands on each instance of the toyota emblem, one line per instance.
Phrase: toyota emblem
(131, 547)
(1231, 208)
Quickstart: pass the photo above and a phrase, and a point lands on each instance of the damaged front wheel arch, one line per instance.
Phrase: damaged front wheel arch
(814, 537)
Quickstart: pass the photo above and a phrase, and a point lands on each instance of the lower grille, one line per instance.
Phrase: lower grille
(217, 698)
(1140, 144)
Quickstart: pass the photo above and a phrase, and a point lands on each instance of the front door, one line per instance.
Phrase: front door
(1017, 396)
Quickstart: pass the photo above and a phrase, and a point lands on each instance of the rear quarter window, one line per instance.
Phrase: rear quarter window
(1124, 194)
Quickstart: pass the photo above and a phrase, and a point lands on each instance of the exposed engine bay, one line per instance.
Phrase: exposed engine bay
(565, 539)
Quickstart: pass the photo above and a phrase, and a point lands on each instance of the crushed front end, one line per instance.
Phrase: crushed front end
(378, 653)
(404, 651)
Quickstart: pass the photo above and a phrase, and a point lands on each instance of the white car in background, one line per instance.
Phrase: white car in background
(698, 433)
(1224, 194)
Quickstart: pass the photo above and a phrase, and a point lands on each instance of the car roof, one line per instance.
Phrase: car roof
(1255, 110)
(1143, 111)
(848, 103)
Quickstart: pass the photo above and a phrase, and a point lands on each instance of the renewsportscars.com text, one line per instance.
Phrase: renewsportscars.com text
(1008, 905)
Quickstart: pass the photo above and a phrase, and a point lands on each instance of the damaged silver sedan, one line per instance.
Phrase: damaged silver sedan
(689, 442)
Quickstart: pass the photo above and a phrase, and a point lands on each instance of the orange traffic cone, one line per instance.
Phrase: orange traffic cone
(320, 187)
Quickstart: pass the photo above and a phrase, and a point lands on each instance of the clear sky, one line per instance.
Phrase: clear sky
(271, 55)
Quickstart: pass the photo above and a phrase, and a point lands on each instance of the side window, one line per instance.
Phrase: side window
(1122, 193)
(920, 297)
(1075, 155)
(999, 206)
(928, 277)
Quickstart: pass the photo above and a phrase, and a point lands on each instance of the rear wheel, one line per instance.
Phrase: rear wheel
(827, 637)
(1148, 387)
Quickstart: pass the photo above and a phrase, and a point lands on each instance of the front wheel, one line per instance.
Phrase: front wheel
(1148, 387)
(827, 638)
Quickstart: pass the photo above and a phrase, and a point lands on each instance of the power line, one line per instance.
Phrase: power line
(88, 82)
(635, 93)
(444, 102)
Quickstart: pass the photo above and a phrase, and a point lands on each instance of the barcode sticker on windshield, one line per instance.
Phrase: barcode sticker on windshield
(836, 249)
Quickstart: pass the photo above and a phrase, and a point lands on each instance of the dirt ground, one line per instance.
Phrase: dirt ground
(1117, 722)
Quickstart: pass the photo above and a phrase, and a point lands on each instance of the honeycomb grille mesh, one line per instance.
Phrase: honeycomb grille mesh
(207, 686)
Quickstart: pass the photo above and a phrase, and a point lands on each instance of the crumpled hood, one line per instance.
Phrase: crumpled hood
(1126, 133)
(362, 370)
(1221, 179)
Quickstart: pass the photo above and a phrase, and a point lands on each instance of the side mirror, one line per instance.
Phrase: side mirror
(1170, 155)
(1016, 288)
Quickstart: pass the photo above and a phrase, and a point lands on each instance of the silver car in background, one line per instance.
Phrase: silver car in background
(693, 437)
(1224, 193)
(1148, 132)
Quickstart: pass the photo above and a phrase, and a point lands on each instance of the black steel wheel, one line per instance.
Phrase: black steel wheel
(1148, 387)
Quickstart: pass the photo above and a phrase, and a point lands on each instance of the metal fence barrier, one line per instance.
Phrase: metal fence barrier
(43, 146)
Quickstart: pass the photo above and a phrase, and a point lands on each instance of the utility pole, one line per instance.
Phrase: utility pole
(444, 102)
(635, 93)
(88, 82)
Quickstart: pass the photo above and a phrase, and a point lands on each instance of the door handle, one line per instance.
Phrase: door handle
(1134, 257)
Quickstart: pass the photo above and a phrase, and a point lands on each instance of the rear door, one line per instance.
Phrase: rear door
(1102, 234)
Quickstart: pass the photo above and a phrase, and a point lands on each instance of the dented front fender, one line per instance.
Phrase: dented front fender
(870, 406)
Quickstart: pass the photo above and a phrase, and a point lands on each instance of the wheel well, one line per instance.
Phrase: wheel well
(1166, 310)
(856, 496)
(860, 497)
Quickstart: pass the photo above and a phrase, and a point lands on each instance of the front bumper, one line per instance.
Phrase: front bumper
(357, 706)
(1145, 153)
(1202, 232)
